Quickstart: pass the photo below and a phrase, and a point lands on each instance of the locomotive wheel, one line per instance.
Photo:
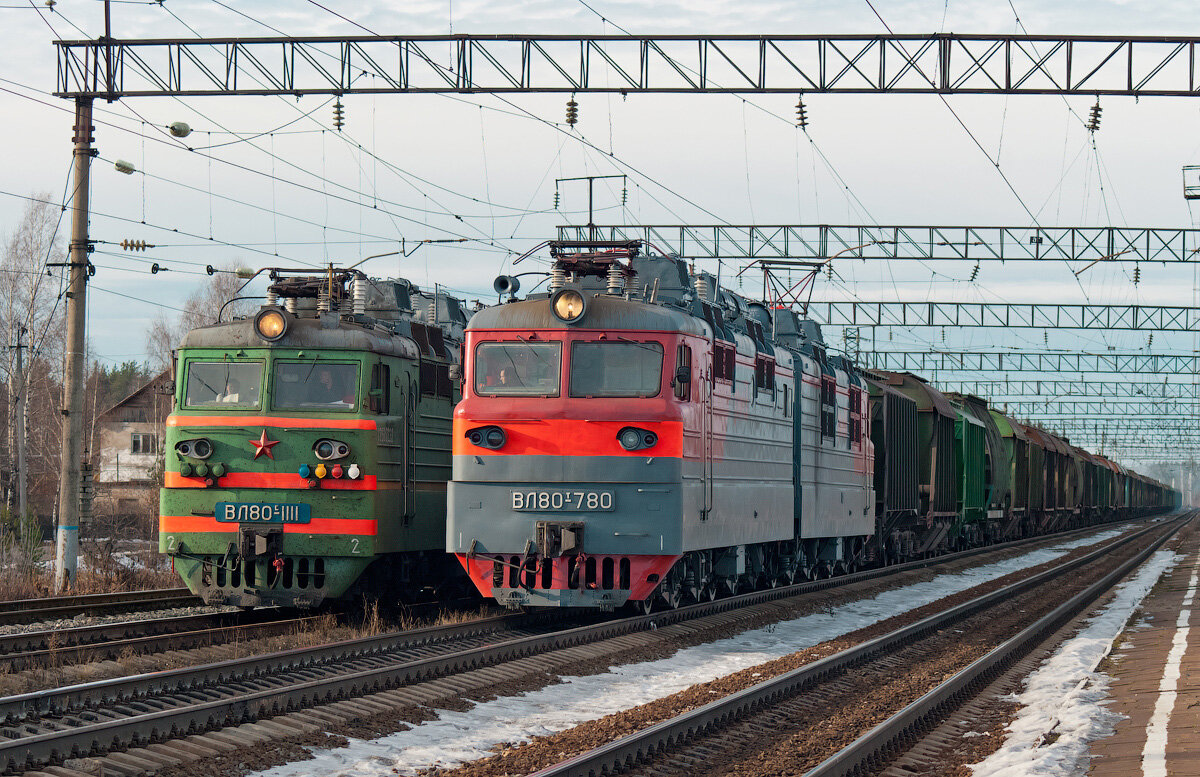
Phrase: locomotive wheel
(672, 594)
(644, 606)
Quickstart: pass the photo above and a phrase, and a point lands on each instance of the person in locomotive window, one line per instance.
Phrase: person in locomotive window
(232, 392)
(326, 390)
(508, 377)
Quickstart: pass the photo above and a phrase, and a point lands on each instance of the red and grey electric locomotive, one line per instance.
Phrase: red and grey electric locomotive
(637, 434)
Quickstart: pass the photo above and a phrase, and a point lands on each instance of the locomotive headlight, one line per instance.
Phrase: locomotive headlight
(633, 439)
(487, 437)
(330, 450)
(271, 324)
(568, 305)
(196, 449)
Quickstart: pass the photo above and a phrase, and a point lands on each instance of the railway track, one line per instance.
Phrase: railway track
(59, 607)
(48, 726)
(803, 717)
(57, 647)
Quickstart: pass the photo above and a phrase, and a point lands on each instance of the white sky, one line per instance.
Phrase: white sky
(903, 157)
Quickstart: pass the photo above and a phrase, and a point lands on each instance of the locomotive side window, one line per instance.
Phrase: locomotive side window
(517, 369)
(379, 396)
(315, 385)
(724, 362)
(856, 428)
(764, 376)
(227, 385)
(683, 367)
(616, 369)
(828, 406)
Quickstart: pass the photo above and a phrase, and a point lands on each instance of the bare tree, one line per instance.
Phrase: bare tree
(30, 296)
(200, 309)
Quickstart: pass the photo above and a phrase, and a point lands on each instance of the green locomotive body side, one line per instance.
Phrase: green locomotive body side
(265, 516)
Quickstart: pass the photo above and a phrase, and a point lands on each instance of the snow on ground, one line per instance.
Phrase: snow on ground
(458, 737)
(1066, 696)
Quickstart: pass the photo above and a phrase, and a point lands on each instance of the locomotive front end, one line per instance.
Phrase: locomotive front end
(568, 451)
(297, 463)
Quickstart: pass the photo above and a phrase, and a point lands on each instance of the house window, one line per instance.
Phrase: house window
(143, 443)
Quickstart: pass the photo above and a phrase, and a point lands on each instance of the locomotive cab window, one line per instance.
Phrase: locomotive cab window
(621, 368)
(517, 369)
(229, 385)
(314, 385)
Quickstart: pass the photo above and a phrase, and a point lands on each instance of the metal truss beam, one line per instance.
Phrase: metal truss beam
(1152, 318)
(925, 362)
(911, 64)
(892, 243)
(998, 390)
(1172, 428)
(1061, 407)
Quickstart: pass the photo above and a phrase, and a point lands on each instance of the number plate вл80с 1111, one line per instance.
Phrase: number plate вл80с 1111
(557, 500)
(262, 512)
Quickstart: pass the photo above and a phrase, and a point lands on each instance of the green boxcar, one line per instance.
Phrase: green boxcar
(308, 453)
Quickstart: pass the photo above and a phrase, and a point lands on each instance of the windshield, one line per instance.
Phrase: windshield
(616, 369)
(223, 384)
(517, 369)
(315, 386)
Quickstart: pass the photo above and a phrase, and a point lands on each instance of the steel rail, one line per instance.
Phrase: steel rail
(620, 753)
(95, 717)
(39, 648)
(25, 610)
(964, 684)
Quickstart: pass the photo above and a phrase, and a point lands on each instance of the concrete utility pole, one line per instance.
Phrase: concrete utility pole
(22, 505)
(70, 474)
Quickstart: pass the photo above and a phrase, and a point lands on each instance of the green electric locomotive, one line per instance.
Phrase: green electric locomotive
(308, 453)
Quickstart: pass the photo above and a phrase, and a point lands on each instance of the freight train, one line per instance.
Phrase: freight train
(641, 435)
(307, 456)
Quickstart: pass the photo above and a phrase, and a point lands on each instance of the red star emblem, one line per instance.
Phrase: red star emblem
(263, 445)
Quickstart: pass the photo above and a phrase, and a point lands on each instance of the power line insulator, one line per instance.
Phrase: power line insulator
(572, 112)
(975, 272)
(1137, 274)
(135, 245)
(624, 195)
(1093, 122)
(556, 199)
(339, 115)
(801, 113)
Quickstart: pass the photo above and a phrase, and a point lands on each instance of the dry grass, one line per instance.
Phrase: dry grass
(100, 571)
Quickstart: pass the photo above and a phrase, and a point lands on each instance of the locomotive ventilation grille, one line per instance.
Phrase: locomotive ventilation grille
(605, 573)
(300, 573)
